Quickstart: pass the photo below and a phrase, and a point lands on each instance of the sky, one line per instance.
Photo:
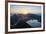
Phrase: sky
(25, 9)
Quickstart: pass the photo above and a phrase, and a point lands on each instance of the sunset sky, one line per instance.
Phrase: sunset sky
(25, 9)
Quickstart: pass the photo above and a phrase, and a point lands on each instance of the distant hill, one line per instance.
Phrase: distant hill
(23, 18)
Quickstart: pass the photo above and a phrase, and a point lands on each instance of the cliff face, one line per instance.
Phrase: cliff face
(20, 20)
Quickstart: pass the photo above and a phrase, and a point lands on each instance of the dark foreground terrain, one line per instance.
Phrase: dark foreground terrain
(19, 20)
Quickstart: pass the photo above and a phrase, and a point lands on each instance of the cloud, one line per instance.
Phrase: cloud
(30, 9)
(33, 23)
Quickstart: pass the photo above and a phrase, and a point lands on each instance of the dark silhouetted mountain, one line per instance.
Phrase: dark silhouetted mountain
(16, 23)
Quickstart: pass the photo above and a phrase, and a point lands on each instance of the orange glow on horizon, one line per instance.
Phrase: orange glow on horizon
(23, 11)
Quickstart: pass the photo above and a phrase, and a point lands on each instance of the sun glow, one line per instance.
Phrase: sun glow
(23, 11)
(20, 11)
